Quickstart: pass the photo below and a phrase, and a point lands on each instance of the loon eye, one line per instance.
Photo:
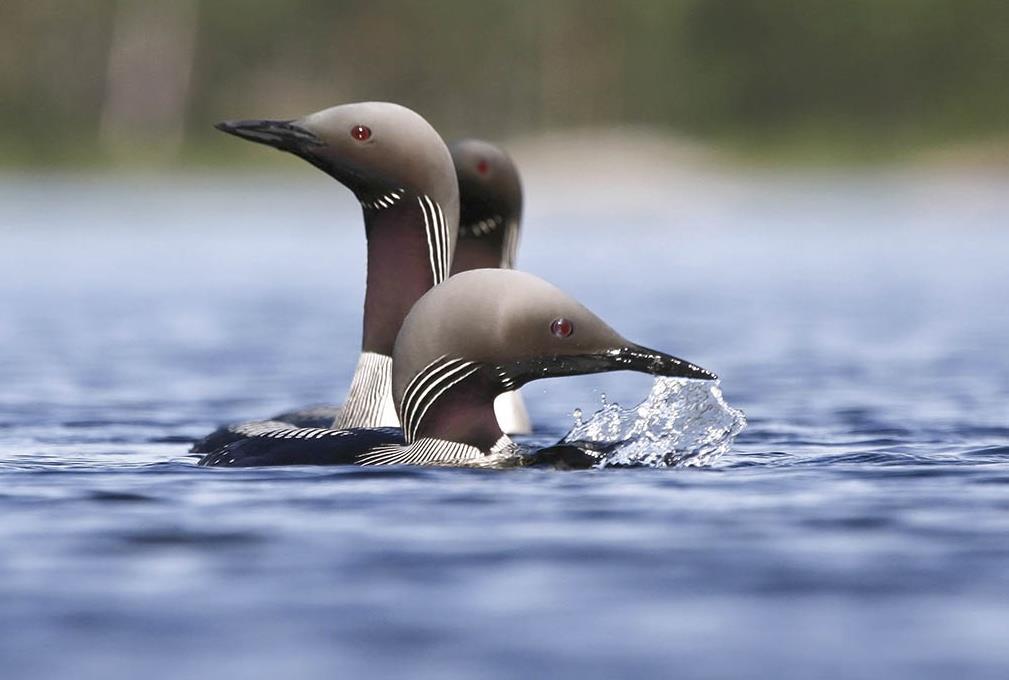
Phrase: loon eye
(482, 166)
(561, 327)
(361, 133)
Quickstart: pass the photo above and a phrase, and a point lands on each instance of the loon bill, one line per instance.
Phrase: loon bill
(480, 334)
(490, 196)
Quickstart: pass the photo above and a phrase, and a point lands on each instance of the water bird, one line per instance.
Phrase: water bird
(401, 172)
(490, 216)
(490, 196)
(481, 333)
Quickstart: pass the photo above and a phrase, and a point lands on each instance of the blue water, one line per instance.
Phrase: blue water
(859, 528)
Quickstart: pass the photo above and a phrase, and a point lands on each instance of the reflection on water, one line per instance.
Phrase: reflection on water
(856, 528)
(680, 423)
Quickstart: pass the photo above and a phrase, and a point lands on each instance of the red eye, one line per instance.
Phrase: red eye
(482, 166)
(561, 327)
(360, 133)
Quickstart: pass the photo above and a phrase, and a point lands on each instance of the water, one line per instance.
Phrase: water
(856, 529)
(680, 423)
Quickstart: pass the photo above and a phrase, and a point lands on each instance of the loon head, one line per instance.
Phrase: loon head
(379, 150)
(490, 193)
(488, 331)
(401, 171)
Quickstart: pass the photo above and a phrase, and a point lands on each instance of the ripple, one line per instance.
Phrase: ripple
(184, 538)
(120, 497)
(991, 452)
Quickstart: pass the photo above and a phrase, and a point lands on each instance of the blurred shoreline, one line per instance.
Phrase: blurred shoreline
(600, 178)
(582, 148)
(130, 84)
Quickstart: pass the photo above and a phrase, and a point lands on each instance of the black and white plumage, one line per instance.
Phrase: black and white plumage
(464, 343)
(402, 174)
(369, 400)
(302, 446)
(369, 404)
(490, 209)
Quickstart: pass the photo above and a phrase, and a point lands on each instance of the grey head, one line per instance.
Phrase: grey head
(490, 193)
(401, 171)
(375, 149)
(488, 331)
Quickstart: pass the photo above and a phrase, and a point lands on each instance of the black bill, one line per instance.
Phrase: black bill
(280, 134)
(629, 358)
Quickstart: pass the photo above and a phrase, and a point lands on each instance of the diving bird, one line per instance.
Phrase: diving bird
(490, 197)
(490, 214)
(490, 206)
(479, 334)
(401, 172)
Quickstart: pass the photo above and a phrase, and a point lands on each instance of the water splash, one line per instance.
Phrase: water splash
(680, 423)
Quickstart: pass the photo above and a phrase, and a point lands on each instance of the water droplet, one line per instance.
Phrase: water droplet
(681, 422)
(602, 398)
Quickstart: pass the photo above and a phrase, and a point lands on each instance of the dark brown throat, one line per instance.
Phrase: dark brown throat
(399, 271)
(479, 252)
(464, 413)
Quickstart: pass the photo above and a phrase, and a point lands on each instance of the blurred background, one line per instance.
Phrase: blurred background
(137, 82)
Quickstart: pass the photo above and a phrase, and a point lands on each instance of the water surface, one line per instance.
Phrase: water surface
(859, 528)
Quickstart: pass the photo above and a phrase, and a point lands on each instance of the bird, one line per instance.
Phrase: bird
(489, 221)
(479, 334)
(401, 172)
(490, 216)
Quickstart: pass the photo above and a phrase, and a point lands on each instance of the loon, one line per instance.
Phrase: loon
(490, 214)
(480, 334)
(490, 195)
(401, 172)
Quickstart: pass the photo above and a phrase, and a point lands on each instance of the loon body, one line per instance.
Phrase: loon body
(478, 335)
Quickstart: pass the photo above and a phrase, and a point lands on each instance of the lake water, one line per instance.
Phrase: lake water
(859, 527)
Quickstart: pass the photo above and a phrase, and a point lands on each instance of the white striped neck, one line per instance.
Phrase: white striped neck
(490, 243)
(409, 251)
(452, 399)
(369, 402)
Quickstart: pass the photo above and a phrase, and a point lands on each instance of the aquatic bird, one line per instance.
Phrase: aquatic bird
(479, 334)
(490, 197)
(490, 206)
(401, 171)
(490, 214)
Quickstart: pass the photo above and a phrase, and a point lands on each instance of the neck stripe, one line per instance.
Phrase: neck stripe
(509, 252)
(419, 381)
(446, 251)
(425, 402)
(431, 245)
(438, 244)
(417, 401)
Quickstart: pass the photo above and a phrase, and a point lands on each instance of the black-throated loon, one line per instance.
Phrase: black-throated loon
(490, 214)
(480, 334)
(401, 171)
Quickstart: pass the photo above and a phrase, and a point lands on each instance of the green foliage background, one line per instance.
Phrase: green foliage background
(812, 78)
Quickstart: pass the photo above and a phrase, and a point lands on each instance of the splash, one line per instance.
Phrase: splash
(681, 423)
